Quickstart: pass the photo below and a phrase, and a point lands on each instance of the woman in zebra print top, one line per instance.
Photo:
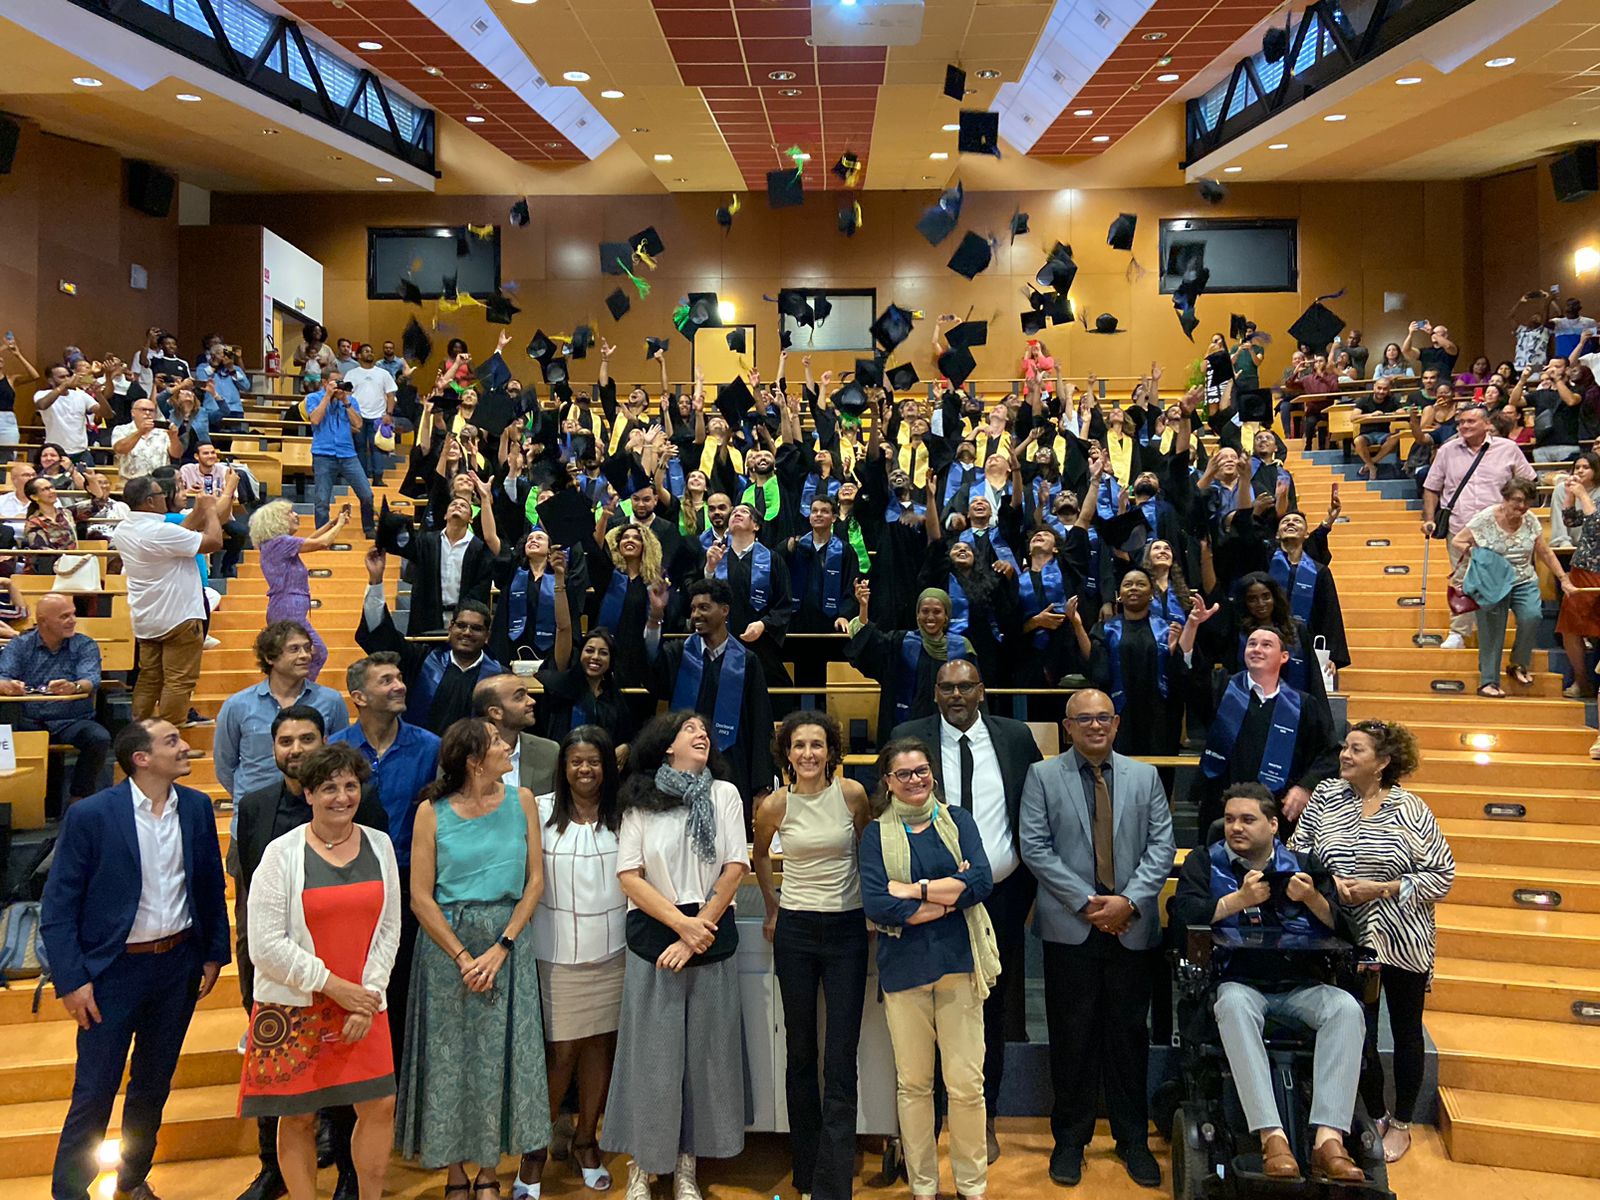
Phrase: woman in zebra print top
(1392, 865)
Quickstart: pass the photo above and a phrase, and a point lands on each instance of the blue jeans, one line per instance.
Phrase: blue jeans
(366, 453)
(327, 471)
(1524, 601)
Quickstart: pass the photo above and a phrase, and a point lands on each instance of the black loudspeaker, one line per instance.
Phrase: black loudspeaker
(9, 132)
(150, 189)
(1576, 174)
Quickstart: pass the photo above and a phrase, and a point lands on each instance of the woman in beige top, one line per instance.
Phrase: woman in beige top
(819, 935)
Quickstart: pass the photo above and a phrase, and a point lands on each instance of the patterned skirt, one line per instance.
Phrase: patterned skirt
(296, 1061)
(473, 1085)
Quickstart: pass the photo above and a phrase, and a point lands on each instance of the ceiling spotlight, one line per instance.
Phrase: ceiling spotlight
(369, 45)
(1169, 77)
(1499, 62)
(187, 97)
(1164, 61)
(554, 145)
(269, 131)
(663, 158)
(1278, 146)
(335, 158)
(925, 178)
(384, 179)
(640, 129)
(87, 81)
(434, 71)
(1231, 170)
(1100, 139)
(780, 76)
(1334, 117)
(847, 3)
(611, 94)
(726, 311)
(1083, 112)
(480, 86)
(576, 76)
(1155, 37)
(474, 119)
(950, 128)
(988, 73)
(1408, 81)
(524, 1)
(680, 179)
(789, 91)
(938, 156)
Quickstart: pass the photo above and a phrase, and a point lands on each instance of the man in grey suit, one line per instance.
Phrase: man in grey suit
(979, 763)
(1097, 835)
(510, 702)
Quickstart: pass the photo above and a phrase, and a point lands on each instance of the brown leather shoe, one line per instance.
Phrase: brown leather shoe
(1331, 1162)
(1277, 1160)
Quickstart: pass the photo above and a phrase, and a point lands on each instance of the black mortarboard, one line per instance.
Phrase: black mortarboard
(939, 221)
(702, 314)
(903, 377)
(848, 165)
(785, 339)
(955, 83)
(618, 304)
(410, 293)
(493, 373)
(821, 308)
(725, 214)
(1275, 44)
(519, 212)
(969, 333)
(1192, 286)
(1211, 191)
(793, 303)
(555, 370)
(980, 132)
(1221, 365)
(497, 409)
(416, 343)
(1187, 320)
(647, 241)
(736, 339)
(1019, 224)
(1120, 235)
(956, 364)
(851, 399)
(1237, 323)
(567, 518)
(1127, 531)
(1057, 307)
(540, 348)
(1183, 257)
(972, 256)
(447, 288)
(394, 532)
(892, 327)
(582, 339)
(849, 218)
(498, 310)
(616, 258)
(1033, 322)
(1317, 327)
(784, 189)
(654, 344)
(1105, 323)
(1059, 269)
(869, 372)
(734, 400)
(623, 472)
(463, 246)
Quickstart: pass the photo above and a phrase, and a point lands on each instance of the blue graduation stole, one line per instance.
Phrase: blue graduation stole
(1294, 674)
(960, 613)
(892, 511)
(1293, 917)
(1169, 606)
(808, 490)
(707, 536)
(544, 608)
(1279, 754)
(957, 649)
(730, 688)
(832, 554)
(611, 603)
(675, 477)
(595, 489)
(430, 675)
(760, 574)
(955, 479)
(1092, 580)
(1158, 630)
(1305, 582)
(1151, 509)
(1107, 498)
(996, 542)
(1052, 590)
(1224, 498)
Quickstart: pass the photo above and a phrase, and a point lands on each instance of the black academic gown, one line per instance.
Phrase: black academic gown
(806, 566)
(1152, 724)
(876, 653)
(568, 702)
(629, 662)
(450, 698)
(775, 614)
(427, 599)
(898, 546)
(1221, 643)
(1042, 657)
(504, 569)
(749, 758)
(1327, 616)
(776, 527)
(992, 610)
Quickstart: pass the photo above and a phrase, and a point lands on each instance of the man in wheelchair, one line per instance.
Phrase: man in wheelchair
(1272, 912)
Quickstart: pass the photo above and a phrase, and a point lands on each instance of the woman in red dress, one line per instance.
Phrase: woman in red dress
(324, 924)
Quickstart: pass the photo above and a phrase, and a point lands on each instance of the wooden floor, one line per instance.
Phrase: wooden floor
(761, 1172)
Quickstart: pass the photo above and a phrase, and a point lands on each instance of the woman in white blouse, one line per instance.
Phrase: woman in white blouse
(1392, 865)
(578, 935)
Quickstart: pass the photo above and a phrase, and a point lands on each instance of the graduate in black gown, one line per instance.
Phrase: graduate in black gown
(627, 566)
(1133, 658)
(1300, 566)
(904, 661)
(712, 672)
(983, 599)
(583, 689)
(525, 614)
(1258, 601)
(1050, 593)
(763, 603)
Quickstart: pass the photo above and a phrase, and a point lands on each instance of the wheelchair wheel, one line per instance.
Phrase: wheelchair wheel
(1191, 1164)
(1164, 1105)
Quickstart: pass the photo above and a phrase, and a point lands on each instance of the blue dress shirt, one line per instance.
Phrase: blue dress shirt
(29, 660)
(409, 764)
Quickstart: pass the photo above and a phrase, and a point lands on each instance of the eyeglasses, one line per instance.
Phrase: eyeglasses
(1084, 720)
(956, 689)
(912, 774)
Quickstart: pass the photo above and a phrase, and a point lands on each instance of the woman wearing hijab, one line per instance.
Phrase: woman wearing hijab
(905, 661)
(677, 1089)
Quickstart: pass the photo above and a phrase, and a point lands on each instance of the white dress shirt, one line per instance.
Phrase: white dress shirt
(452, 556)
(1262, 694)
(163, 889)
(513, 777)
(163, 580)
(988, 800)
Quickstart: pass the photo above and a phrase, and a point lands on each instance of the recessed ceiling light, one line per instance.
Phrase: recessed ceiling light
(988, 73)
(680, 179)
(335, 158)
(611, 94)
(475, 119)
(369, 45)
(87, 81)
(269, 131)
(434, 71)
(939, 155)
(1278, 146)
(640, 129)
(1499, 62)
(1169, 77)
(789, 91)
(927, 177)
(1083, 112)
(1408, 81)
(1100, 138)
(575, 76)
(972, 91)
(1155, 37)
(524, 1)
(480, 87)
(187, 97)
(554, 145)
(663, 158)
(384, 179)
(1231, 170)
(950, 128)
(780, 76)
(1334, 117)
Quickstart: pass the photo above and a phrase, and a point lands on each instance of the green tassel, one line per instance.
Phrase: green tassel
(680, 316)
(643, 285)
(798, 155)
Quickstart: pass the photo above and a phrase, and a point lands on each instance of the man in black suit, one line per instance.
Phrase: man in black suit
(450, 565)
(980, 763)
(135, 924)
(265, 815)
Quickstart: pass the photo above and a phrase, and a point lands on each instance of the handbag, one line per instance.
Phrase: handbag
(1319, 646)
(1441, 519)
(77, 573)
(648, 937)
(1460, 603)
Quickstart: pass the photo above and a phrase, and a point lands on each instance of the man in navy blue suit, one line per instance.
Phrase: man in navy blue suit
(135, 923)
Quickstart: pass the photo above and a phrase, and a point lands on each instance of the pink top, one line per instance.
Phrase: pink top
(1042, 365)
(1502, 461)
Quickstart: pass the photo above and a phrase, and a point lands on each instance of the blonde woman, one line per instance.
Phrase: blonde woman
(273, 532)
(626, 572)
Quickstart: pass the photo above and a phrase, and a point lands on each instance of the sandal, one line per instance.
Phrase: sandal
(1395, 1153)
(1490, 691)
(595, 1178)
(456, 1189)
(1520, 674)
(479, 1186)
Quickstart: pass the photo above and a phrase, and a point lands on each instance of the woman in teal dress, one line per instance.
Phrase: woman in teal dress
(473, 1080)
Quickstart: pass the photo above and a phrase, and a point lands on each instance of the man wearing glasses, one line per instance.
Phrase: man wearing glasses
(979, 764)
(1097, 834)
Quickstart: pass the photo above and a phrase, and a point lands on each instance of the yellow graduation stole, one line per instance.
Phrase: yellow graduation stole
(913, 460)
(1120, 448)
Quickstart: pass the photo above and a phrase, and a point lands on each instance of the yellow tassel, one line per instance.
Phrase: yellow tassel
(481, 231)
(858, 214)
(638, 252)
(462, 300)
(733, 206)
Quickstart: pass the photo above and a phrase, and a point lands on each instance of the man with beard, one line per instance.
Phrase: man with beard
(265, 814)
(776, 509)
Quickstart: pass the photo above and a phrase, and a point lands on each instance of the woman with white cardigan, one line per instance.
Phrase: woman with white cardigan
(324, 912)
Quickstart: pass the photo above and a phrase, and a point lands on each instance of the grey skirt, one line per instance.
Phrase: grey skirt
(581, 999)
(680, 1083)
(473, 1085)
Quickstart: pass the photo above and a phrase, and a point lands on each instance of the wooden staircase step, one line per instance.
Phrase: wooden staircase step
(1430, 658)
(16, 1001)
(1427, 680)
(1535, 992)
(1558, 939)
(1516, 1056)
(37, 1061)
(1472, 712)
(1498, 1130)
(1462, 802)
(1452, 767)
(1496, 884)
(1524, 844)
(1442, 736)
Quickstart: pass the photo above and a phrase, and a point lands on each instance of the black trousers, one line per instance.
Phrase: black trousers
(1405, 992)
(93, 741)
(145, 1001)
(1097, 1000)
(400, 977)
(1005, 1009)
(826, 949)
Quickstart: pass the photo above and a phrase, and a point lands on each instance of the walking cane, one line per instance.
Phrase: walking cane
(1420, 638)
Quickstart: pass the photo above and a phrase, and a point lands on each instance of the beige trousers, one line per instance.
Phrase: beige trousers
(946, 1014)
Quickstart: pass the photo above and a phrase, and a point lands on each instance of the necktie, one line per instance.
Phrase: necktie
(1105, 863)
(966, 772)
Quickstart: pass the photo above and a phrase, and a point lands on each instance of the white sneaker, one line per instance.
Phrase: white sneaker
(1454, 642)
(684, 1185)
(211, 642)
(244, 1038)
(1594, 750)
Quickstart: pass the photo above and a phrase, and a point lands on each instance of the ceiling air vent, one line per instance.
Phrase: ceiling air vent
(479, 27)
(1101, 19)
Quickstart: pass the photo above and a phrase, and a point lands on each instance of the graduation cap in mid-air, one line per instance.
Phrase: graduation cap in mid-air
(410, 293)
(1105, 323)
(736, 339)
(493, 373)
(623, 472)
(519, 212)
(616, 258)
(979, 133)
(972, 256)
(1120, 235)
(698, 311)
(955, 82)
(849, 218)
(792, 303)
(554, 370)
(784, 189)
(1238, 326)
(848, 167)
(618, 304)
(1211, 191)
(567, 518)
(582, 339)
(1059, 269)
(415, 342)
(1221, 364)
(1052, 305)
(463, 245)
(892, 327)
(647, 242)
(726, 212)
(1033, 321)
(1191, 287)
(655, 345)
(851, 399)
(394, 532)
(498, 310)
(1019, 223)
(734, 399)
(957, 364)
(447, 288)
(869, 372)
(969, 333)
(939, 220)
(540, 348)
(903, 377)
(1187, 320)
(1127, 531)
(821, 307)
(1317, 326)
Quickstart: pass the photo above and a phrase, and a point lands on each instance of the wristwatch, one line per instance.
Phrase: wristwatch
(923, 884)
(506, 943)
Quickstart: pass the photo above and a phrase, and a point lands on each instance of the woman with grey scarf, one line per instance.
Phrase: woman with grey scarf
(678, 1089)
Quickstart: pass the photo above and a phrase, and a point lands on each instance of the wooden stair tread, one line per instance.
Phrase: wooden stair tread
(1470, 918)
(183, 1104)
(1569, 1118)
(1520, 830)
(1511, 873)
(1470, 1034)
(1516, 974)
(25, 1047)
